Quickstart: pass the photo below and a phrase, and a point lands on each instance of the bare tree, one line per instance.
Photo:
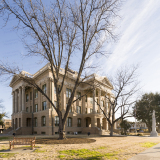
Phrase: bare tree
(59, 31)
(125, 86)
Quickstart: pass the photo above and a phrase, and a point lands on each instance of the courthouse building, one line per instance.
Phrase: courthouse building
(33, 114)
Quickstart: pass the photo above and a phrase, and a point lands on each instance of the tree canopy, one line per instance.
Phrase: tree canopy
(144, 107)
(3, 114)
(57, 33)
(125, 125)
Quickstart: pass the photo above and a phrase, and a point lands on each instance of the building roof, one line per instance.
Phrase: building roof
(71, 74)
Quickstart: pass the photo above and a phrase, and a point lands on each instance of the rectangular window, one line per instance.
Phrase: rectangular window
(35, 93)
(36, 108)
(79, 122)
(27, 97)
(86, 111)
(44, 105)
(30, 95)
(102, 103)
(55, 103)
(79, 109)
(44, 89)
(56, 121)
(35, 121)
(91, 100)
(86, 98)
(30, 109)
(79, 95)
(27, 109)
(43, 121)
(68, 92)
(91, 110)
(69, 122)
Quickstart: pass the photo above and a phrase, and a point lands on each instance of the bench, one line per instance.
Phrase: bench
(22, 141)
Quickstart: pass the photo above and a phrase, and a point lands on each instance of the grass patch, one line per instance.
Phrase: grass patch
(4, 138)
(102, 147)
(7, 155)
(39, 151)
(61, 156)
(148, 144)
(3, 148)
(88, 154)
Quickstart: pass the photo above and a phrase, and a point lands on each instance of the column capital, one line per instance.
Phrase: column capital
(49, 78)
(23, 87)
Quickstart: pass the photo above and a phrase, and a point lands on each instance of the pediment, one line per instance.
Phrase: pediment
(107, 82)
(14, 79)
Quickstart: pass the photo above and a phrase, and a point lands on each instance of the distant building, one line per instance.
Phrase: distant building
(33, 114)
(139, 126)
(7, 124)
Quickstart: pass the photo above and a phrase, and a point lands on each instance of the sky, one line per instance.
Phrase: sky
(138, 43)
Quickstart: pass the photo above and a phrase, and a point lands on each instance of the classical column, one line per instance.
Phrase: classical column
(13, 102)
(20, 99)
(16, 104)
(83, 103)
(33, 100)
(100, 123)
(23, 98)
(99, 100)
(105, 103)
(39, 99)
(48, 91)
(94, 122)
(106, 125)
(64, 98)
(94, 103)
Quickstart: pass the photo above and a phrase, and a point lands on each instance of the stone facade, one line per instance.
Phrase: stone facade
(33, 114)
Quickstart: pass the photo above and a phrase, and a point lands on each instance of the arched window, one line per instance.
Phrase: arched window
(69, 122)
(43, 121)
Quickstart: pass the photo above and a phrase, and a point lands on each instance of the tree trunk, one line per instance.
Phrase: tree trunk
(111, 131)
(62, 134)
(61, 128)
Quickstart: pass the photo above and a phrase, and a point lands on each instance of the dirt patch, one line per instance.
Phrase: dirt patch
(64, 141)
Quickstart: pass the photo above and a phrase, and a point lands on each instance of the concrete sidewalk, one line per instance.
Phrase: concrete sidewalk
(152, 153)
